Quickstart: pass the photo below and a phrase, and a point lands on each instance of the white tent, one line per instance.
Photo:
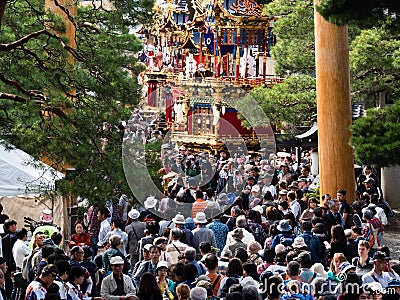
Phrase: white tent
(27, 187)
(22, 175)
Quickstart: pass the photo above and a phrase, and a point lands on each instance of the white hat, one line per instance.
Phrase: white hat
(319, 269)
(299, 242)
(200, 218)
(255, 188)
(161, 264)
(179, 219)
(249, 281)
(117, 260)
(150, 202)
(133, 214)
(258, 208)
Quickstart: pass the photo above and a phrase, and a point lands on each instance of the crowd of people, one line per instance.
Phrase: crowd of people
(244, 238)
(238, 226)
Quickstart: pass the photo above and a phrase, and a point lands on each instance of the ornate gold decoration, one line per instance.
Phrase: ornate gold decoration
(247, 8)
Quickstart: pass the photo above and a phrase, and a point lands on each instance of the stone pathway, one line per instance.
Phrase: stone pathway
(391, 238)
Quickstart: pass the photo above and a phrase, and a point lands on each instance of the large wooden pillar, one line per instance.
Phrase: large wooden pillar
(336, 162)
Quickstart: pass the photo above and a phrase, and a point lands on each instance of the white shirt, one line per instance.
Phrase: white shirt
(383, 279)
(122, 234)
(104, 229)
(380, 213)
(295, 208)
(270, 188)
(123, 202)
(19, 251)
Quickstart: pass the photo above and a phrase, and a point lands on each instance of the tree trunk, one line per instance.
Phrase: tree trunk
(3, 4)
(336, 162)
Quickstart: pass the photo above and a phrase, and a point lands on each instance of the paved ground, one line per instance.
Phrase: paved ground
(391, 236)
(392, 240)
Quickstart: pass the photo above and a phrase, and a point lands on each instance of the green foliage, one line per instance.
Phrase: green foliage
(374, 64)
(291, 103)
(360, 12)
(54, 99)
(294, 51)
(376, 137)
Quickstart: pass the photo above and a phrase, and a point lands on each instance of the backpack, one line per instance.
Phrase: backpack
(27, 270)
(286, 240)
(259, 233)
(369, 236)
(377, 224)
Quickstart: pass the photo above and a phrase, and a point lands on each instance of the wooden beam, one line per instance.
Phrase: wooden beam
(336, 161)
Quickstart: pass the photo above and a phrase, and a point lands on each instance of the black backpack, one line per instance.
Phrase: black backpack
(259, 233)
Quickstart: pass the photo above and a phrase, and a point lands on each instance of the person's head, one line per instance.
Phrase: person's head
(365, 295)
(205, 247)
(183, 291)
(348, 233)
(381, 261)
(273, 287)
(337, 260)
(76, 253)
(250, 269)
(190, 254)
(79, 227)
(64, 268)
(115, 241)
(39, 238)
(148, 285)
(235, 267)
(56, 237)
(199, 194)
(198, 293)
(146, 252)
(155, 253)
(10, 226)
(334, 205)
(162, 269)
(241, 221)
(235, 211)
(22, 234)
(115, 223)
(3, 265)
(190, 272)
(211, 262)
(241, 254)
(271, 213)
(293, 269)
(47, 250)
(325, 200)
(87, 252)
(117, 265)
(312, 203)
(358, 231)
(77, 275)
(103, 213)
(48, 274)
(283, 205)
(305, 260)
(341, 195)
(291, 196)
(306, 226)
(176, 233)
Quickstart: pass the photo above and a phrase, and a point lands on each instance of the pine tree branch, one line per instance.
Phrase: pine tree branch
(22, 41)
